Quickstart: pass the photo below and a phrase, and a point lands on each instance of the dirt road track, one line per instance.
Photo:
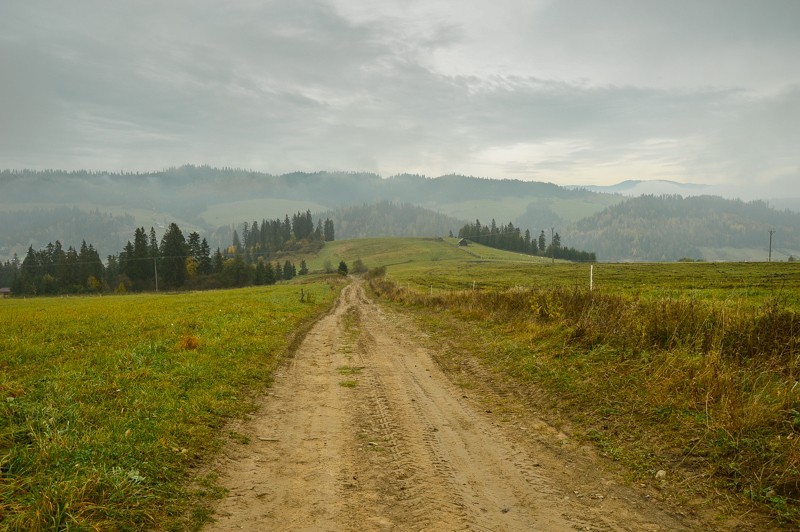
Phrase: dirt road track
(363, 431)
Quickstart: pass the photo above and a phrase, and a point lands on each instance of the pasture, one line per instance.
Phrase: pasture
(419, 264)
(107, 403)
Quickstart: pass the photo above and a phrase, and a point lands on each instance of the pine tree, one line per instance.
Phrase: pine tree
(140, 269)
(237, 244)
(174, 252)
(260, 276)
(204, 259)
(194, 246)
(269, 274)
(217, 262)
(328, 230)
(286, 229)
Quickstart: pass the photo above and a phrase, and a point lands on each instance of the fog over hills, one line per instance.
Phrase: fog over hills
(621, 222)
(657, 187)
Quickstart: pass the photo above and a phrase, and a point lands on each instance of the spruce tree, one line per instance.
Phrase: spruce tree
(174, 252)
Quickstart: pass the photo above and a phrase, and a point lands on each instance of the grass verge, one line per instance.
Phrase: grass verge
(703, 390)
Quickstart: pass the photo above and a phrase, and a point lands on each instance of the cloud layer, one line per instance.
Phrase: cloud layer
(566, 91)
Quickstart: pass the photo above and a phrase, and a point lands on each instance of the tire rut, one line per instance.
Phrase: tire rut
(362, 430)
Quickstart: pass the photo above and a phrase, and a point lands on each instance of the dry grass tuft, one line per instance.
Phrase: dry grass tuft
(720, 375)
(188, 342)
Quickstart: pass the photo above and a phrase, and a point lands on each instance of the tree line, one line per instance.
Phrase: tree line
(512, 238)
(172, 262)
(671, 227)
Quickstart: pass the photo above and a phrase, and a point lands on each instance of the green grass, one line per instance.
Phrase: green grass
(420, 264)
(411, 253)
(107, 402)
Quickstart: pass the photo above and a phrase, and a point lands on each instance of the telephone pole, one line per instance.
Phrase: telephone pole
(770, 244)
(552, 247)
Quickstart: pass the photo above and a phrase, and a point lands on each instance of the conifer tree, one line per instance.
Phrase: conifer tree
(174, 252)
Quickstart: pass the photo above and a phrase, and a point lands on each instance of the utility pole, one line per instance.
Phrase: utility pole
(770, 244)
(552, 247)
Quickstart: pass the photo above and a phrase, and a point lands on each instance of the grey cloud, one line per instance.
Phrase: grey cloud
(282, 86)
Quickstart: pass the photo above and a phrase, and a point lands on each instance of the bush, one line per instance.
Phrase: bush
(375, 273)
(359, 267)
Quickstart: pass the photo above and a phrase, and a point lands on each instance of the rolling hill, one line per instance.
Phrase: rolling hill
(37, 207)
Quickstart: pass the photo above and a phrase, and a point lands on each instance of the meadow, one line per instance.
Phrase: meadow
(107, 404)
(421, 264)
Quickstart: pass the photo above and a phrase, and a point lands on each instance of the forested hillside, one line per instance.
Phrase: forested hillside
(104, 209)
(71, 226)
(390, 219)
(204, 199)
(666, 228)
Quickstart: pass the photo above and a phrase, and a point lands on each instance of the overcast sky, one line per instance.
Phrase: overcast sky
(566, 91)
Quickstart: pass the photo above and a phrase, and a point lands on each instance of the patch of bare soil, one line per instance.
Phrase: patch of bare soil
(363, 431)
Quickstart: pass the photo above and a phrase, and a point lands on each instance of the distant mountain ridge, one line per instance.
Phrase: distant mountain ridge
(684, 222)
(636, 187)
(670, 227)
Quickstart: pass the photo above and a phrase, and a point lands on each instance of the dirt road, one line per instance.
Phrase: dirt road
(363, 431)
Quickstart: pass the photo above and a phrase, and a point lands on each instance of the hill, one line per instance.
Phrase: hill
(390, 219)
(37, 207)
(667, 228)
(203, 199)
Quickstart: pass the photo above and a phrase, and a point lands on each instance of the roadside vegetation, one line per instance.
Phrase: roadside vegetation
(685, 372)
(691, 369)
(107, 403)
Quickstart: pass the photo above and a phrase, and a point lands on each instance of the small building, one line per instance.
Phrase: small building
(5, 292)
(463, 242)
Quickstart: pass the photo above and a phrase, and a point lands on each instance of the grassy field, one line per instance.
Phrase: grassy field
(106, 403)
(704, 353)
(420, 264)
(690, 368)
(411, 253)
